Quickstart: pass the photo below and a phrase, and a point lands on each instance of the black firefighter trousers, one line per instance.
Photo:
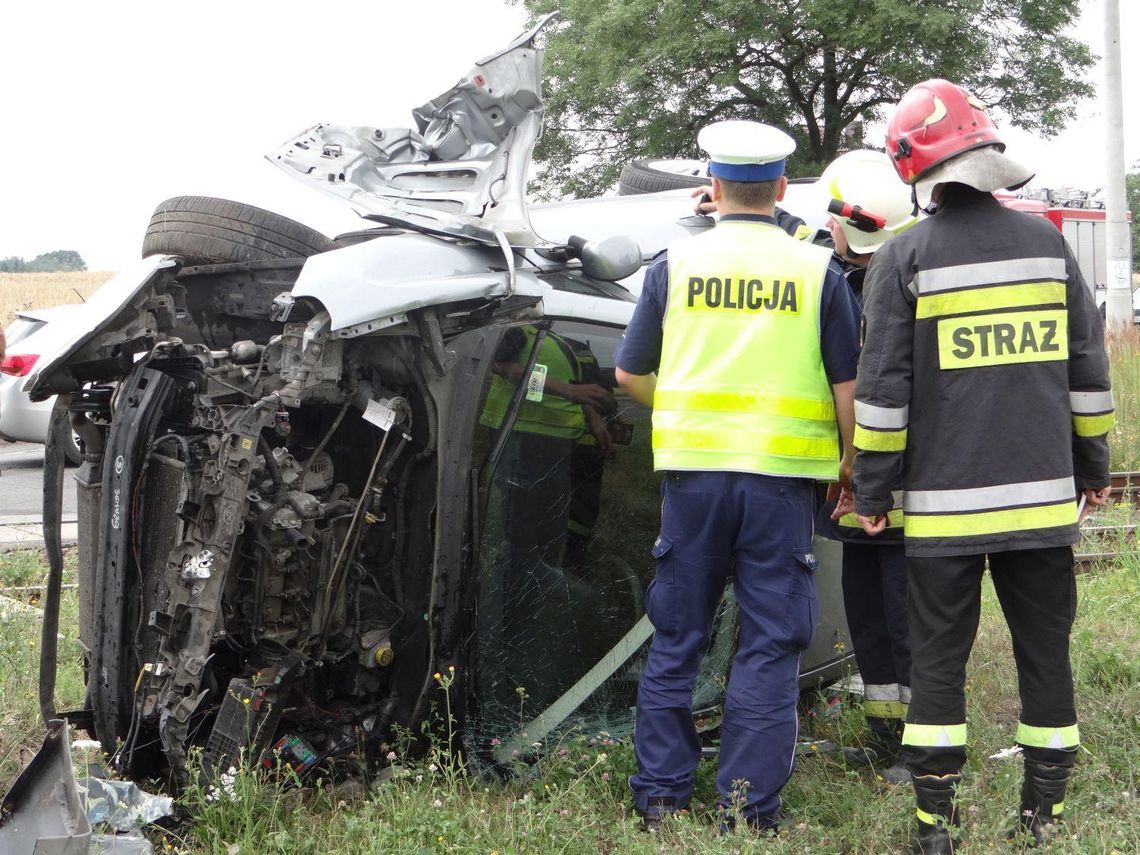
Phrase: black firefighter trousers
(1038, 596)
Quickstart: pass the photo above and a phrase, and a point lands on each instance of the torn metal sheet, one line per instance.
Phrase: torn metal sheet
(42, 813)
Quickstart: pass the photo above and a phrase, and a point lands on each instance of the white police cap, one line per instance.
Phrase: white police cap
(745, 151)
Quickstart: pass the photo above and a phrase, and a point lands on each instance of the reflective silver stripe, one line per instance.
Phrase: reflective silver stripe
(881, 691)
(988, 498)
(897, 498)
(881, 418)
(989, 273)
(1088, 402)
(904, 694)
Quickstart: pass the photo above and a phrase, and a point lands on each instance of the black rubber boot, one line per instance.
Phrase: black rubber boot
(1043, 790)
(934, 795)
(882, 749)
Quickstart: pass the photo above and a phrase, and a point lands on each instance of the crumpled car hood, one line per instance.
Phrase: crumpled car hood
(461, 170)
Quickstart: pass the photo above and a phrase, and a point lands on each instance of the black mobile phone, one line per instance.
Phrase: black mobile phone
(620, 432)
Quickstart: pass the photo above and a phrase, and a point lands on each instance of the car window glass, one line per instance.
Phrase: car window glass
(20, 329)
(569, 520)
(576, 282)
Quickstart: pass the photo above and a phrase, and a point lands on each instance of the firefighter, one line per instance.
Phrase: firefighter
(868, 204)
(745, 343)
(983, 385)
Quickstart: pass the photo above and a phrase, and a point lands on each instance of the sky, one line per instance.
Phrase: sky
(111, 107)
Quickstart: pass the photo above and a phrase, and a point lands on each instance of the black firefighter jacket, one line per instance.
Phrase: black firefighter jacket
(983, 384)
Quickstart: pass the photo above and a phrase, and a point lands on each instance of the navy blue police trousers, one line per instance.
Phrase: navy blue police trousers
(758, 530)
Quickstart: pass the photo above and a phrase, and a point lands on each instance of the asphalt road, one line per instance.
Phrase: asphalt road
(21, 481)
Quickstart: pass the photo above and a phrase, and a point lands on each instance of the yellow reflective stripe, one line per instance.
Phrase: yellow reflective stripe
(803, 232)
(1093, 425)
(989, 299)
(879, 440)
(1048, 737)
(884, 709)
(1003, 339)
(1058, 808)
(895, 518)
(743, 402)
(745, 442)
(991, 522)
(934, 735)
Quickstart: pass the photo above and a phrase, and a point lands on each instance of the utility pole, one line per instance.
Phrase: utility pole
(1118, 300)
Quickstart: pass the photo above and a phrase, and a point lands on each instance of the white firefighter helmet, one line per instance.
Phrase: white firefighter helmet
(868, 200)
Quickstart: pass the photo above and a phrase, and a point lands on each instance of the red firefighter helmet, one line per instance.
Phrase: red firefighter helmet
(934, 121)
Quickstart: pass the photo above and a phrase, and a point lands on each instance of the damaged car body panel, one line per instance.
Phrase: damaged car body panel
(462, 170)
(311, 484)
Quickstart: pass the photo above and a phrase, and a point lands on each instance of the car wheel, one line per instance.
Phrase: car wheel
(204, 230)
(655, 176)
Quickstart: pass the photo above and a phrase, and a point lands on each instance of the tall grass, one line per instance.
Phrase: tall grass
(575, 800)
(19, 291)
(1124, 362)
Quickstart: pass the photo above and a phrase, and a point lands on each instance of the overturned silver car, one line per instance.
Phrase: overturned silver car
(317, 473)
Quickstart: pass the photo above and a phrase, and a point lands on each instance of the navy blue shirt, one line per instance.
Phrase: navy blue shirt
(640, 348)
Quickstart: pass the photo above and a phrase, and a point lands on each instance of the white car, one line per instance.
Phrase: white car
(316, 481)
(29, 336)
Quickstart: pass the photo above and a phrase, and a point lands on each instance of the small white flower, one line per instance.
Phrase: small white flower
(86, 744)
(419, 778)
(437, 803)
(391, 755)
(433, 768)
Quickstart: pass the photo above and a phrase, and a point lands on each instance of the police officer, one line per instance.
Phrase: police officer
(984, 385)
(745, 343)
(868, 205)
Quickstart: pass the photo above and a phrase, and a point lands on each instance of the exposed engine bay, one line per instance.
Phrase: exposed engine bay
(247, 484)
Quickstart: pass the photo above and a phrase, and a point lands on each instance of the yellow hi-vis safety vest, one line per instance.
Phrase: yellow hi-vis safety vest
(741, 386)
(540, 412)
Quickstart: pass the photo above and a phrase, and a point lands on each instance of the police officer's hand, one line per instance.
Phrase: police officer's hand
(592, 394)
(705, 204)
(844, 500)
(847, 471)
(872, 525)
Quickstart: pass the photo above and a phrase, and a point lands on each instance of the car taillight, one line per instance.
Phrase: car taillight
(18, 365)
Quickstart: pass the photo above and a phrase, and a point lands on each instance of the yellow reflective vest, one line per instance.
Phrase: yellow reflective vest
(741, 386)
(540, 412)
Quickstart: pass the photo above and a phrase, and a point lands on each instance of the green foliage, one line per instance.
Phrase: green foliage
(56, 261)
(1132, 197)
(639, 78)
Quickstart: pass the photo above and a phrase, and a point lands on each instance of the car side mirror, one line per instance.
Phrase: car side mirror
(609, 259)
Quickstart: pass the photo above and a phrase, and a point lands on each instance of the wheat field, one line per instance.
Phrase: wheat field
(19, 291)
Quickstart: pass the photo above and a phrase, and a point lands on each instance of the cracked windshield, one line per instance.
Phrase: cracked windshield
(570, 509)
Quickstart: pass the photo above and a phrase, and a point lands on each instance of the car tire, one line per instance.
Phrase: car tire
(205, 230)
(640, 176)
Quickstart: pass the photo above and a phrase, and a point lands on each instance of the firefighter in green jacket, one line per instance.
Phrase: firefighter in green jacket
(983, 387)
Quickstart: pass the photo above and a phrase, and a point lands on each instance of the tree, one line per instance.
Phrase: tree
(639, 78)
(56, 261)
(1132, 196)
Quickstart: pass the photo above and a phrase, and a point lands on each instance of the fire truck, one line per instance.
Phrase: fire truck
(1084, 228)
